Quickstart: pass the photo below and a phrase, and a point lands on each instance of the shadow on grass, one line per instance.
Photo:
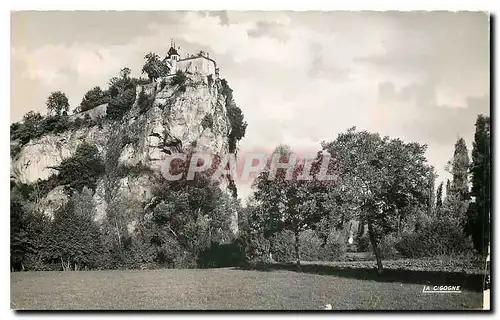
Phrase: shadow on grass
(471, 282)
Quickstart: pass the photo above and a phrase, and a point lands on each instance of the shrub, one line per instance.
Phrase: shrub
(93, 98)
(124, 170)
(179, 78)
(439, 237)
(163, 84)
(223, 255)
(236, 118)
(256, 248)
(15, 148)
(363, 243)
(121, 104)
(311, 247)
(388, 247)
(82, 169)
(207, 121)
(144, 101)
(35, 126)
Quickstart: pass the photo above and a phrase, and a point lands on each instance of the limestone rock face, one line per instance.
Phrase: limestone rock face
(173, 122)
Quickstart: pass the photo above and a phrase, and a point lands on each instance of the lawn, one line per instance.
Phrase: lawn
(232, 288)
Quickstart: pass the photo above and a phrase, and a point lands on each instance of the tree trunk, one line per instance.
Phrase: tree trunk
(297, 248)
(118, 234)
(375, 248)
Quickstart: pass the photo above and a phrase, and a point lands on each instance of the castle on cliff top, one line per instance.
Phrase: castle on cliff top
(192, 63)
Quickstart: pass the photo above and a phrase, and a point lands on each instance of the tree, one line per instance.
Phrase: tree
(81, 170)
(381, 176)
(439, 196)
(236, 118)
(187, 216)
(154, 67)
(32, 117)
(290, 203)
(457, 196)
(57, 103)
(479, 210)
(19, 237)
(125, 73)
(74, 239)
(431, 198)
(93, 98)
(448, 188)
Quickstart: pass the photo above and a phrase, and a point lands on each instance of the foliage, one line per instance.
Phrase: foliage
(388, 247)
(121, 103)
(207, 121)
(20, 242)
(457, 195)
(136, 170)
(441, 236)
(183, 226)
(93, 98)
(224, 255)
(236, 118)
(288, 202)
(35, 126)
(82, 169)
(57, 103)
(27, 129)
(163, 84)
(380, 176)
(154, 67)
(313, 247)
(439, 196)
(179, 79)
(363, 243)
(74, 238)
(144, 101)
(478, 224)
(125, 73)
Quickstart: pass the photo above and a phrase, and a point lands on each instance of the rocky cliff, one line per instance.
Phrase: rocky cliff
(164, 119)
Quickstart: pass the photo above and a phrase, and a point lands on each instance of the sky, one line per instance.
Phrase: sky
(299, 77)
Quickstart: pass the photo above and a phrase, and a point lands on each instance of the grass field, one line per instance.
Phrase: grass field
(231, 288)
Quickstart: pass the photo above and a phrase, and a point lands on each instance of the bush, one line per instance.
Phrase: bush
(144, 102)
(15, 148)
(311, 247)
(121, 104)
(93, 98)
(236, 118)
(163, 84)
(223, 255)
(179, 78)
(363, 243)
(82, 169)
(35, 126)
(257, 250)
(388, 247)
(439, 237)
(207, 121)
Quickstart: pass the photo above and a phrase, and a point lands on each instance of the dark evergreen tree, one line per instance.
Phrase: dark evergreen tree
(478, 224)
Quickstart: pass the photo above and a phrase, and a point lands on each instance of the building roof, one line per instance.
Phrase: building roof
(172, 51)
